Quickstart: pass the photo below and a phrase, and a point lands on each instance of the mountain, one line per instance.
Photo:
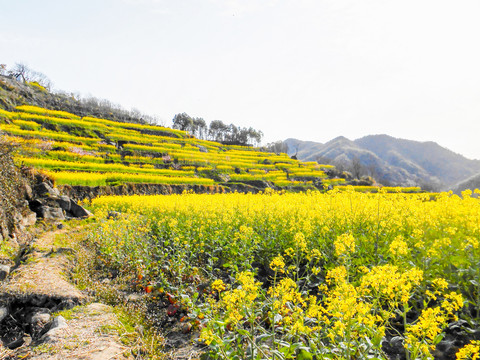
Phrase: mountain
(390, 160)
(471, 183)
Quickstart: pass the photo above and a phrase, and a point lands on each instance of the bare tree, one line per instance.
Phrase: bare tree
(20, 71)
(357, 168)
(24, 73)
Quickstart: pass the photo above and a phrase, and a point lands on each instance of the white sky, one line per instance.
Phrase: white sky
(309, 69)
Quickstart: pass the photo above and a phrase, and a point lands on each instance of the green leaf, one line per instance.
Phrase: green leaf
(304, 355)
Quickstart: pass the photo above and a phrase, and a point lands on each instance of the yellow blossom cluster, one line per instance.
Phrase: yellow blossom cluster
(470, 351)
(344, 244)
(236, 302)
(398, 247)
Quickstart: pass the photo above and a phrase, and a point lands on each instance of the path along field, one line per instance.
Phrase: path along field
(280, 275)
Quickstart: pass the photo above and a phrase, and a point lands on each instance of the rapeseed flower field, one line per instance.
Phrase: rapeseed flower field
(314, 275)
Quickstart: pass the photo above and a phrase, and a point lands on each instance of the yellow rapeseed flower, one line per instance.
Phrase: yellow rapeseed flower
(218, 285)
(278, 264)
(470, 351)
(344, 244)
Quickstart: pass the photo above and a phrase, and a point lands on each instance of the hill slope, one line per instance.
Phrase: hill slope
(81, 149)
(391, 160)
(471, 183)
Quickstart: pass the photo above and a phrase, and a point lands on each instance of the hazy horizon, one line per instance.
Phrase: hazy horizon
(310, 70)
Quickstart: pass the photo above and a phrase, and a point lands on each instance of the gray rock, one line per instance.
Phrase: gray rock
(4, 272)
(64, 202)
(78, 211)
(3, 313)
(51, 213)
(53, 334)
(44, 189)
(58, 323)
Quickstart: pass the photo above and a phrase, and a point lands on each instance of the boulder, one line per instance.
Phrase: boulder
(43, 189)
(50, 213)
(53, 334)
(4, 272)
(78, 211)
(64, 202)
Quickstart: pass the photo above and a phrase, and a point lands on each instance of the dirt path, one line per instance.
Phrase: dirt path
(42, 273)
(40, 287)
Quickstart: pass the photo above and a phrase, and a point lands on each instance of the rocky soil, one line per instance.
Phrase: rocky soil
(44, 316)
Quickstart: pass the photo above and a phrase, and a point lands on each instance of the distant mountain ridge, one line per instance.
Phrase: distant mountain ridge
(391, 160)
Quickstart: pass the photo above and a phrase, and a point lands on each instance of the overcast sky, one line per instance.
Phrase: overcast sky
(309, 69)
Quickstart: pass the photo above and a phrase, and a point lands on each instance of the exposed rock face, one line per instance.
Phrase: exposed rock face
(78, 211)
(64, 202)
(50, 213)
(79, 193)
(43, 189)
(14, 192)
(49, 204)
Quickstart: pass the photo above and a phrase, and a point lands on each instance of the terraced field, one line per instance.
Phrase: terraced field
(91, 151)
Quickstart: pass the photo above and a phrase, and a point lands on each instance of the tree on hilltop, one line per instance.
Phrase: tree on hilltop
(199, 128)
(182, 122)
(217, 131)
(23, 73)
